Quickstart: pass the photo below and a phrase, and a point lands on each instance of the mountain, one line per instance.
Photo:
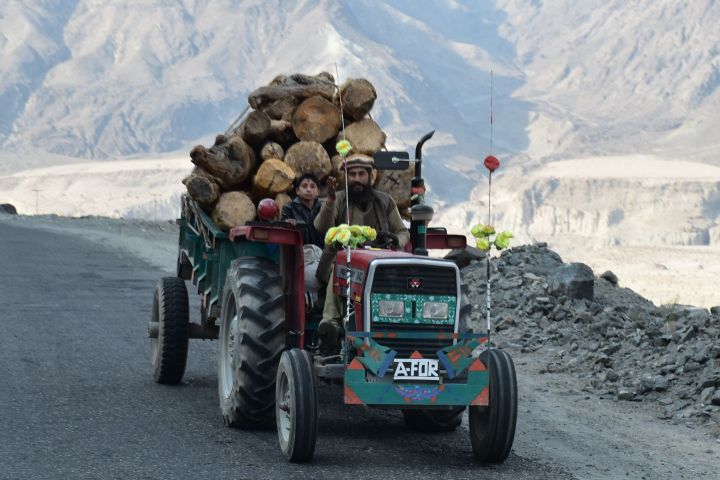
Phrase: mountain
(114, 79)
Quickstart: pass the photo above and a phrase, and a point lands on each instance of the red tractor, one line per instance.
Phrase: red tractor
(407, 343)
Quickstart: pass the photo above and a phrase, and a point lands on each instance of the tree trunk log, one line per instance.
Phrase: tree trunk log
(316, 120)
(274, 176)
(256, 128)
(281, 131)
(396, 183)
(282, 199)
(358, 98)
(365, 137)
(233, 209)
(232, 162)
(265, 96)
(308, 157)
(272, 150)
(202, 189)
(281, 109)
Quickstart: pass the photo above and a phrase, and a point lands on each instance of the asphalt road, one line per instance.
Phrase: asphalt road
(77, 398)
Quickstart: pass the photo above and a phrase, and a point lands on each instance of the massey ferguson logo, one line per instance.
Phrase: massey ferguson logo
(415, 283)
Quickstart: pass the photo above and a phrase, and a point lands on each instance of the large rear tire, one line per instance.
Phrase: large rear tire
(296, 407)
(252, 338)
(492, 428)
(168, 352)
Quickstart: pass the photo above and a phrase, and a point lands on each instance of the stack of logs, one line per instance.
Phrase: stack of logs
(292, 128)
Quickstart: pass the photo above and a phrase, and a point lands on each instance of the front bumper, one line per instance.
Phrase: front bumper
(463, 380)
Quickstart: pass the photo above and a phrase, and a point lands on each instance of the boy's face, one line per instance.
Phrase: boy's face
(307, 190)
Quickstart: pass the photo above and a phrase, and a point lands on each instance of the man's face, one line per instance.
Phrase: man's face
(358, 179)
(307, 190)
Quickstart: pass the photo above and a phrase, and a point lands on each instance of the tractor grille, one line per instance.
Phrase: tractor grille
(435, 281)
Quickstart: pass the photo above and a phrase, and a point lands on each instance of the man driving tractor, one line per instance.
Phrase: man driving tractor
(368, 207)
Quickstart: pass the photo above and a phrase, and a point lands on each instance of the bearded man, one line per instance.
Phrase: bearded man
(368, 207)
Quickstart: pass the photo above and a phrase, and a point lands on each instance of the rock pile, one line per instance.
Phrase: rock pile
(618, 343)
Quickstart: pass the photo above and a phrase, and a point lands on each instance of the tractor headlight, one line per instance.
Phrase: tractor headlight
(435, 310)
(391, 308)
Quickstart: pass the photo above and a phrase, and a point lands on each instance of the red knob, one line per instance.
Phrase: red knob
(267, 210)
(491, 163)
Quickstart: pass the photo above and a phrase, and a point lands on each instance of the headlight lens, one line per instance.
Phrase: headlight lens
(435, 310)
(391, 308)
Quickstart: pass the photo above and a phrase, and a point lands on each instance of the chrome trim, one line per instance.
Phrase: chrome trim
(409, 261)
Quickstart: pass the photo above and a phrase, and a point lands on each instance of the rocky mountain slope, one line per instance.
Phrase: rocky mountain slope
(618, 344)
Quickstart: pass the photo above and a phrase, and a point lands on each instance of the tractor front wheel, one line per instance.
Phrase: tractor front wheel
(296, 405)
(492, 428)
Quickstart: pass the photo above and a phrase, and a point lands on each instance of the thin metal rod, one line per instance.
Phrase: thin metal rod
(491, 111)
(348, 300)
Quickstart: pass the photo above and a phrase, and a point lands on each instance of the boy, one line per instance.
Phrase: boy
(305, 207)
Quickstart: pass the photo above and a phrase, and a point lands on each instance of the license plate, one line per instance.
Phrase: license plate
(416, 369)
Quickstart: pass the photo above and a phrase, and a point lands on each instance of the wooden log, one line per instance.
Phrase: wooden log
(281, 131)
(365, 136)
(282, 199)
(202, 189)
(222, 185)
(272, 150)
(281, 109)
(232, 162)
(316, 120)
(358, 98)
(264, 96)
(233, 209)
(274, 176)
(255, 128)
(396, 183)
(308, 157)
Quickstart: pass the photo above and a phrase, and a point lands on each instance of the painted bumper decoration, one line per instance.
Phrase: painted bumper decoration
(369, 382)
(456, 358)
(375, 358)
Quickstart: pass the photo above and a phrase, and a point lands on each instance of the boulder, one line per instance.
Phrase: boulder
(575, 280)
(8, 208)
(463, 257)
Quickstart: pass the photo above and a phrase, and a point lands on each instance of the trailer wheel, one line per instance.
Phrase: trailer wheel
(168, 352)
(296, 405)
(433, 420)
(252, 338)
(492, 428)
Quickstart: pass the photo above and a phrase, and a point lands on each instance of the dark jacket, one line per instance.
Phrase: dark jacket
(304, 215)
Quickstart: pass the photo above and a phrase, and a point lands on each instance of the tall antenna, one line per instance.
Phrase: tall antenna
(342, 122)
(348, 300)
(491, 163)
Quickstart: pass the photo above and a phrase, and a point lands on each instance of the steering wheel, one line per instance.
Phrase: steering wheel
(385, 240)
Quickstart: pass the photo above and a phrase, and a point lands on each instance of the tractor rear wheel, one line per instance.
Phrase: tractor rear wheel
(171, 312)
(252, 338)
(492, 428)
(433, 420)
(296, 405)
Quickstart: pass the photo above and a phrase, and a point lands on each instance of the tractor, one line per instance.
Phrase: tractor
(407, 342)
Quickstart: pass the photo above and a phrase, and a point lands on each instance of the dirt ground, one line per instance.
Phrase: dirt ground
(558, 423)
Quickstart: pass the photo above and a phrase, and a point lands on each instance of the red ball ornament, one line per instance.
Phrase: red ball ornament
(268, 210)
(491, 163)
